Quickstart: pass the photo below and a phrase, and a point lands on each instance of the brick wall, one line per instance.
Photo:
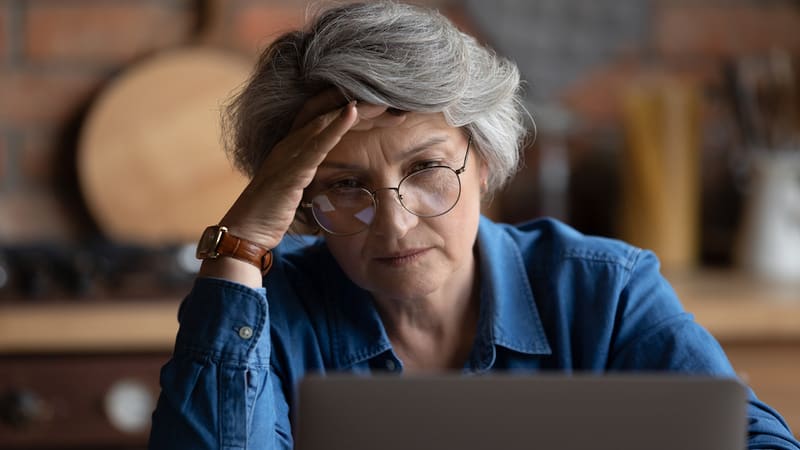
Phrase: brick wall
(56, 55)
(690, 39)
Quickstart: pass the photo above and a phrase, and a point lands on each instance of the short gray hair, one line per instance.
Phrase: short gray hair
(385, 53)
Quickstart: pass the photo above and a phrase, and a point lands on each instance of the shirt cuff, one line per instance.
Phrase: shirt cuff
(225, 320)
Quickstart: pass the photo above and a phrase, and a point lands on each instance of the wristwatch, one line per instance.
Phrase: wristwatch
(216, 242)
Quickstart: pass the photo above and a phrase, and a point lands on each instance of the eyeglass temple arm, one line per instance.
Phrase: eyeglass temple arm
(466, 155)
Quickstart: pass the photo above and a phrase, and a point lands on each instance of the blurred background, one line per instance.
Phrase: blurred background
(672, 124)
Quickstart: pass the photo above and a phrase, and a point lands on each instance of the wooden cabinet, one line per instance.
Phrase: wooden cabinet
(773, 371)
(94, 400)
(82, 374)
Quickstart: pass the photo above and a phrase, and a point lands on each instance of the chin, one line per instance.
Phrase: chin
(402, 287)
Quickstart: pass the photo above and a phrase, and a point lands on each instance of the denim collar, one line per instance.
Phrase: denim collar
(508, 316)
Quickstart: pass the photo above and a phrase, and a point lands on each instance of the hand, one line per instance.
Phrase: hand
(369, 116)
(266, 208)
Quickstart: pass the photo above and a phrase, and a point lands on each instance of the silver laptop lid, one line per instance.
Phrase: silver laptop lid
(508, 412)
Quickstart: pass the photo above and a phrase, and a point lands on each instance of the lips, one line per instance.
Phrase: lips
(402, 258)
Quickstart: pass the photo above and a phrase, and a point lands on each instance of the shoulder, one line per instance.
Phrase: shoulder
(547, 244)
(607, 292)
(592, 275)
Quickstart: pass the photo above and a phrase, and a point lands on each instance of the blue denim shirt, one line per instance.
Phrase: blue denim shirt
(551, 299)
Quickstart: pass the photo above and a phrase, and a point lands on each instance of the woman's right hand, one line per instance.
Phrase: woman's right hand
(266, 208)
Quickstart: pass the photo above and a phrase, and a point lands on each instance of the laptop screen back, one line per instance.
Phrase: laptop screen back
(455, 412)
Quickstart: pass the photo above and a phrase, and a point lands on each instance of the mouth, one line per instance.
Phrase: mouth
(402, 258)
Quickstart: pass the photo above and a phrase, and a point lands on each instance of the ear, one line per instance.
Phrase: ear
(483, 172)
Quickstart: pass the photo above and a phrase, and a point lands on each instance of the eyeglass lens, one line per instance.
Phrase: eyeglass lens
(348, 210)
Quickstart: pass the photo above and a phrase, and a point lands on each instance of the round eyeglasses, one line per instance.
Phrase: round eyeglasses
(428, 192)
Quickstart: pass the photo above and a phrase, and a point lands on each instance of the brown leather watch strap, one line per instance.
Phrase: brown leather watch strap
(242, 249)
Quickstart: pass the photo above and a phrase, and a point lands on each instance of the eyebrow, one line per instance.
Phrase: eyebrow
(424, 145)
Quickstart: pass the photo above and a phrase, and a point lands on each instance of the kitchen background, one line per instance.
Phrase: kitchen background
(669, 123)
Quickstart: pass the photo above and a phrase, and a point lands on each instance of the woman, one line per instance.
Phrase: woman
(384, 127)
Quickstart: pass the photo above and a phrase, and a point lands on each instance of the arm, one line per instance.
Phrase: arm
(655, 333)
(220, 389)
(218, 383)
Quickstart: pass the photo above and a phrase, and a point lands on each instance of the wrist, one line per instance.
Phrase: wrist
(217, 241)
(250, 234)
(232, 269)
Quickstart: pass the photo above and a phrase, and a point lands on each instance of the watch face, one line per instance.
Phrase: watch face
(207, 247)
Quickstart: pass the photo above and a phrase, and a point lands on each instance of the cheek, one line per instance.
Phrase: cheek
(469, 205)
(470, 213)
(459, 227)
(347, 252)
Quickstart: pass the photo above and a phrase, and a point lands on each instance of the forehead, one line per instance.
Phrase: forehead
(414, 129)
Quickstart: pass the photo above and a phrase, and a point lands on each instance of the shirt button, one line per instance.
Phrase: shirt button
(245, 332)
(391, 365)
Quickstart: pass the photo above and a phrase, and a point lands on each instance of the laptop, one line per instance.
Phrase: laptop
(514, 412)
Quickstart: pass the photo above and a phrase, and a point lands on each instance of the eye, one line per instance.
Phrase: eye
(346, 183)
(416, 167)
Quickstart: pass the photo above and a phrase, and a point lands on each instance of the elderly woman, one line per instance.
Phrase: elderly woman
(383, 127)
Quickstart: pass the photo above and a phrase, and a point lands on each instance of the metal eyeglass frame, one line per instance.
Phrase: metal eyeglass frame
(458, 172)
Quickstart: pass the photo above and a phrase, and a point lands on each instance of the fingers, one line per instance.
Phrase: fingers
(329, 128)
(326, 101)
(346, 114)
(368, 111)
(325, 132)
(331, 99)
(341, 124)
(312, 142)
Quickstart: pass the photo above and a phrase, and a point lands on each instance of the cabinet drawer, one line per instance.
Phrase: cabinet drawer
(773, 371)
(80, 401)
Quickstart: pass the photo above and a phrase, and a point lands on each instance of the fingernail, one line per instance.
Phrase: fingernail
(346, 108)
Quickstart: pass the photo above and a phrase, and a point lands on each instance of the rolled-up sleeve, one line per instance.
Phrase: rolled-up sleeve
(217, 389)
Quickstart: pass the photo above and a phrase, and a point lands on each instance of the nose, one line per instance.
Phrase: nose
(391, 218)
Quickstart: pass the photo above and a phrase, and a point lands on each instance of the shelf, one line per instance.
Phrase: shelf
(84, 327)
(737, 307)
(731, 306)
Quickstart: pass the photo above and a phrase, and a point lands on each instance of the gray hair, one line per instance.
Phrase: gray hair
(385, 53)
